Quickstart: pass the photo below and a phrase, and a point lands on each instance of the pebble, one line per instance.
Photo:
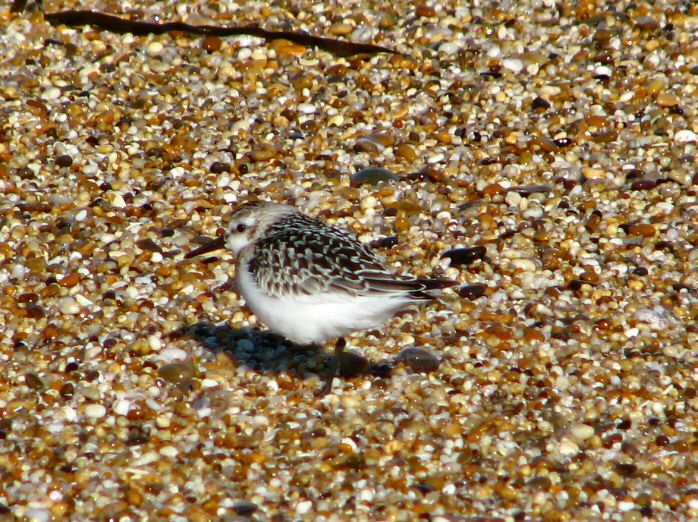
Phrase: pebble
(472, 292)
(352, 364)
(568, 448)
(68, 306)
(172, 353)
(419, 359)
(581, 432)
(304, 507)
(372, 176)
(307, 108)
(465, 255)
(178, 373)
(154, 49)
(95, 411)
(515, 65)
(685, 136)
(51, 94)
(593, 174)
(449, 48)
(121, 407)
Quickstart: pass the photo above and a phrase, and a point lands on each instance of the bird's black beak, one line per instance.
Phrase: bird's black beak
(216, 244)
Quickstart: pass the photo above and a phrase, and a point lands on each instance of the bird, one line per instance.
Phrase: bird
(310, 281)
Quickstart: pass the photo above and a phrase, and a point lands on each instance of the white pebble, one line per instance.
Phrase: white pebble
(303, 507)
(52, 93)
(513, 199)
(582, 431)
(155, 342)
(307, 108)
(172, 354)
(68, 306)
(90, 169)
(527, 265)
(118, 201)
(685, 136)
(82, 300)
(625, 505)
(513, 64)
(168, 451)
(95, 411)
(449, 47)
(121, 407)
(567, 448)
(154, 49)
(37, 515)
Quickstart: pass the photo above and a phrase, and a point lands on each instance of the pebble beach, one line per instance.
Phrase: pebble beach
(541, 154)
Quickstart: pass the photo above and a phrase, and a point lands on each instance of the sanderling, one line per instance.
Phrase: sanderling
(309, 281)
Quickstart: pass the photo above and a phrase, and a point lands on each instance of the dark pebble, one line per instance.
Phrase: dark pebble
(419, 359)
(148, 245)
(67, 390)
(35, 311)
(34, 382)
(465, 256)
(384, 242)
(540, 103)
(646, 23)
(28, 297)
(245, 508)
(644, 184)
(472, 292)
(626, 469)
(373, 176)
(564, 142)
(576, 284)
(381, 369)
(64, 160)
(352, 364)
(219, 167)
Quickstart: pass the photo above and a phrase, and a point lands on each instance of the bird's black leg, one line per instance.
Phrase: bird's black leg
(334, 366)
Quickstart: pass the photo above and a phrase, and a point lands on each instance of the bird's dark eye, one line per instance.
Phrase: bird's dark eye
(241, 227)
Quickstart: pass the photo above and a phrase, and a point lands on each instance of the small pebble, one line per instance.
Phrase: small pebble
(95, 411)
(373, 176)
(685, 136)
(178, 373)
(154, 49)
(419, 359)
(68, 306)
(581, 431)
(472, 292)
(465, 256)
(352, 364)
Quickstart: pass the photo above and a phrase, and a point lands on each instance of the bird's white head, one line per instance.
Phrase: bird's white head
(247, 223)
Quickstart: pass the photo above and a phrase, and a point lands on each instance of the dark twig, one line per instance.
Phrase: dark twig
(119, 25)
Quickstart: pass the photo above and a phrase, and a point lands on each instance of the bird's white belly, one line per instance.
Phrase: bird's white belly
(314, 319)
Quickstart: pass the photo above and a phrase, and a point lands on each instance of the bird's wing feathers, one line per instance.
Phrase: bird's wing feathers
(302, 256)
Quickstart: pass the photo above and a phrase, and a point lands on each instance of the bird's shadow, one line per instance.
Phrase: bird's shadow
(266, 352)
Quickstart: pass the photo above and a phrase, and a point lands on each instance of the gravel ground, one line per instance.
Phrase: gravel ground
(558, 143)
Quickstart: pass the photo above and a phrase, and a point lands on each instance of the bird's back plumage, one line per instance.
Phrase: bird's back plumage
(301, 256)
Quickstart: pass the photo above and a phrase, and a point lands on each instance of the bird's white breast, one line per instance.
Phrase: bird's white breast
(313, 319)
